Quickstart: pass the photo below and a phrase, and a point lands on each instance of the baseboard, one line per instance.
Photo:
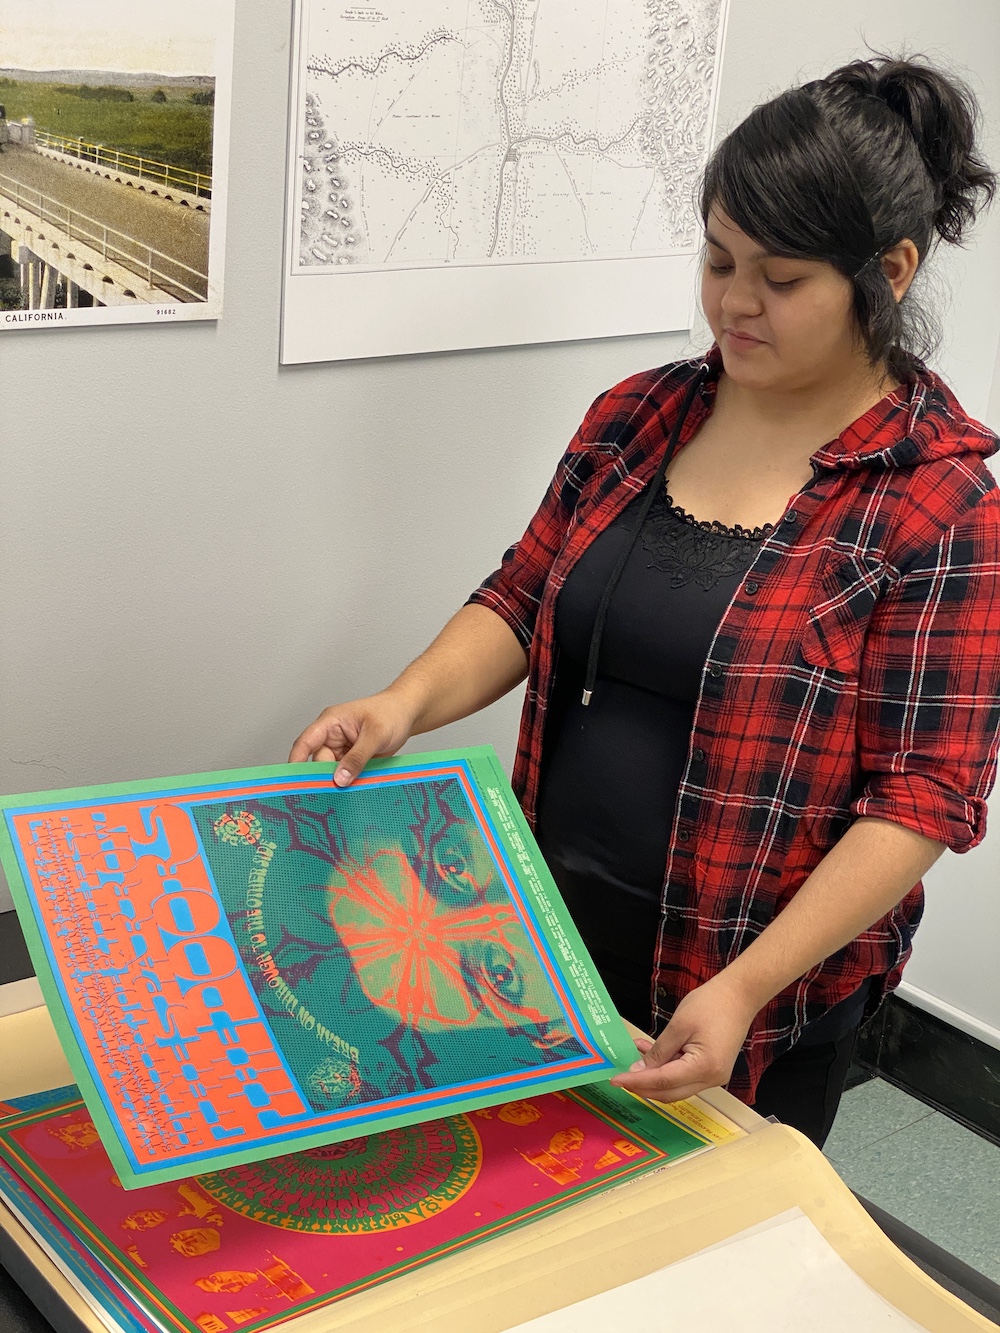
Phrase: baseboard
(936, 1062)
(858, 1074)
(956, 1018)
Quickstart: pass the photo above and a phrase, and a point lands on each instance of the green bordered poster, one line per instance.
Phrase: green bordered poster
(246, 962)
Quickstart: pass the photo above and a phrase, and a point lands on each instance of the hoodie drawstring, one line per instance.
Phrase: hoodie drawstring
(597, 633)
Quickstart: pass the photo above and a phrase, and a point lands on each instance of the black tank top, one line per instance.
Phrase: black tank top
(611, 770)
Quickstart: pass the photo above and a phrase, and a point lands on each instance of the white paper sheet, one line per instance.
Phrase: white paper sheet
(18, 996)
(779, 1277)
(470, 173)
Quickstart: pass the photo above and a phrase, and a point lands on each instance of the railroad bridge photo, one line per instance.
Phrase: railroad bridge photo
(99, 219)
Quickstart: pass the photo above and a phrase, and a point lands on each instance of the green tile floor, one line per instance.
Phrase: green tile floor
(929, 1172)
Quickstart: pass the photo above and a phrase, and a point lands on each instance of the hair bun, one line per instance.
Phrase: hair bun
(941, 113)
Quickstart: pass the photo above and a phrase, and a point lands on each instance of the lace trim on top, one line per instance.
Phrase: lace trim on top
(712, 525)
(692, 552)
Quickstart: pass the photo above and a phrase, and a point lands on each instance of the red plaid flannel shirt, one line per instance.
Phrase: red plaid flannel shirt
(856, 672)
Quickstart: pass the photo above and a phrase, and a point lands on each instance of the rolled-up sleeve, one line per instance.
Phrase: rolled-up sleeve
(929, 695)
(514, 591)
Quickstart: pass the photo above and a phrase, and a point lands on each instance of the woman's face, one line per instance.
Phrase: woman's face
(781, 324)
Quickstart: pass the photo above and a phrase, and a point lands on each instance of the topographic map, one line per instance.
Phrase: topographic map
(478, 132)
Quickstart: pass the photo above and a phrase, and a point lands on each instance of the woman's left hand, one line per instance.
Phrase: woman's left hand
(698, 1047)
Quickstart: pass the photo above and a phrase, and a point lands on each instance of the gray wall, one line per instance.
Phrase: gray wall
(200, 550)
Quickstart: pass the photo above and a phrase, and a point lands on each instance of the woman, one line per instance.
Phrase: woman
(757, 610)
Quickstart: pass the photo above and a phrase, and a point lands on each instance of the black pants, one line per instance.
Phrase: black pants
(804, 1086)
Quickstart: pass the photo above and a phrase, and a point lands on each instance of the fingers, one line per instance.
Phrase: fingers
(312, 744)
(335, 730)
(369, 743)
(673, 1095)
(663, 1081)
(351, 734)
(667, 1071)
(667, 1046)
(312, 739)
(683, 1077)
(696, 1050)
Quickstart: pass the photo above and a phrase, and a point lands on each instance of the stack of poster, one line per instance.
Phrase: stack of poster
(257, 1245)
(298, 1013)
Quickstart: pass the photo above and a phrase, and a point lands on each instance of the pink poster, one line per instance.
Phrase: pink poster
(251, 1245)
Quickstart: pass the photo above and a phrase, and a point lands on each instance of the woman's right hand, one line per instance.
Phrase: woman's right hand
(351, 734)
(473, 661)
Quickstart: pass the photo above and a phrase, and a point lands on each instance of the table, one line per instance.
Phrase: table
(588, 1248)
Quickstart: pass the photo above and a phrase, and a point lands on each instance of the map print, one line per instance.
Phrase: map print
(482, 132)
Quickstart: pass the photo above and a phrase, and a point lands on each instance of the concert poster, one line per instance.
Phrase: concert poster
(255, 1245)
(241, 964)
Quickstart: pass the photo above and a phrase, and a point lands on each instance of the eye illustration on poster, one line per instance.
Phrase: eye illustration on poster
(470, 173)
(414, 936)
(114, 145)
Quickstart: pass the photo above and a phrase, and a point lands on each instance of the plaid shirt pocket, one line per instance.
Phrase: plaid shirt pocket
(835, 633)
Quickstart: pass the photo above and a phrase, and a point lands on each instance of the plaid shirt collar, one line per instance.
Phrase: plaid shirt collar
(915, 423)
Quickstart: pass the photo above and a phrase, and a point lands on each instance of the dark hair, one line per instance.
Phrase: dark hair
(846, 167)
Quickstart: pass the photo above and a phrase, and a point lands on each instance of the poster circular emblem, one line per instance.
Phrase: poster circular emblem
(239, 827)
(376, 1182)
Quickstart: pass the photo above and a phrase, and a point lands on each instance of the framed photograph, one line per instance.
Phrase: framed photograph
(114, 144)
